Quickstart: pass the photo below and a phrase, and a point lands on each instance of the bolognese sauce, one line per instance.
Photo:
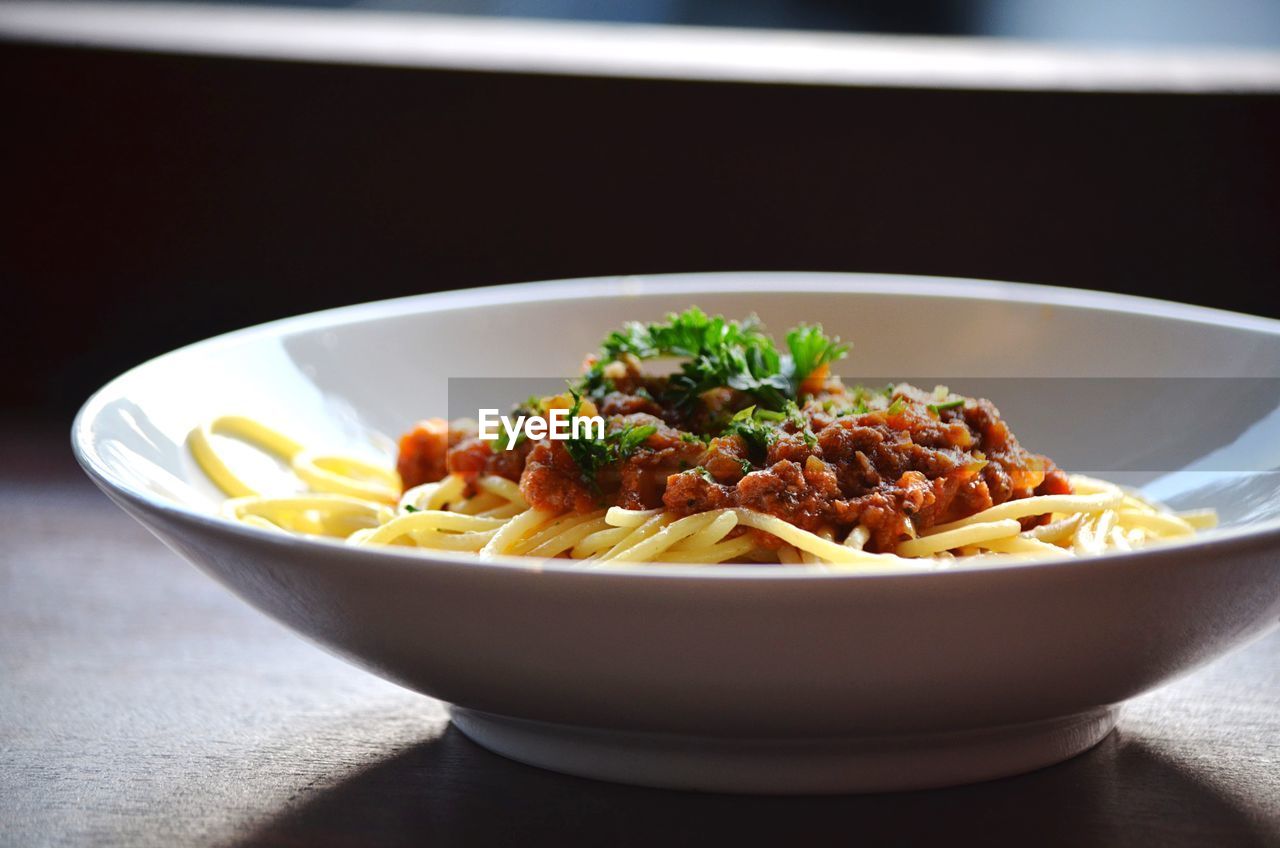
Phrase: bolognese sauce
(779, 435)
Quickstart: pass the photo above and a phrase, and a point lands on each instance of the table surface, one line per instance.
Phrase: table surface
(142, 704)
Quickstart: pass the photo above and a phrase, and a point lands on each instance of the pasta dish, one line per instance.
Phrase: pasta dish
(740, 451)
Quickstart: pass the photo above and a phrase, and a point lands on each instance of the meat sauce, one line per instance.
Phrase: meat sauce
(898, 467)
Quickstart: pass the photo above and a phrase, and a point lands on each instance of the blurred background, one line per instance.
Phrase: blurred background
(1250, 22)
(158, 189)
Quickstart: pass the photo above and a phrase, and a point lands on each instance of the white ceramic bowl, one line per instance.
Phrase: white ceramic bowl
(734, 678)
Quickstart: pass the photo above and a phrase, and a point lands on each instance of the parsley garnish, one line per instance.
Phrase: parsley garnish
(758, 428)
(594, 384)
(591, 455)
(703, 473)
(810, 350)
(531, 406)
(859, 408)
(754, 429)
(690, 334)
(720, 352)
(500, 443)
(801, 423)
(411, 508)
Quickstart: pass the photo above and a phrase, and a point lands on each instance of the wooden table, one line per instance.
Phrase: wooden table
(141, 704)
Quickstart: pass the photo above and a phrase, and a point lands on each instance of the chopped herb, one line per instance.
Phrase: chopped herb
(703, 473)
(594, 384)
(758, 428)
(693, 438)
(690, 334)
(411, 508)
(500, 443)
(810, 350)
(746, 466)
(717, 353)
(631, 437)
(801, 423)
(897, 407)
(531, 406)
(758, 434)
(591, 455)
(951, 404)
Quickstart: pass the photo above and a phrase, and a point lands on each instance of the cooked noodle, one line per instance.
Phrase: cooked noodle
(348, 498)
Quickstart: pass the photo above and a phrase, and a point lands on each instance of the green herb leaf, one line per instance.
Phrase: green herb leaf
(718, 352)
(859, 408)
(594, 383)
(500, 443)
(531, 406)
(951, 404)
(756, 432)
(411, 508)
(632, 437)
(798, 419)
(810, 350)
(592, 455)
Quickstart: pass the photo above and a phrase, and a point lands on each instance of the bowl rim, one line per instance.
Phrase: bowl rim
(1264, 534)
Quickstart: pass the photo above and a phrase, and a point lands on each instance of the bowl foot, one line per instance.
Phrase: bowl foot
(879, 763)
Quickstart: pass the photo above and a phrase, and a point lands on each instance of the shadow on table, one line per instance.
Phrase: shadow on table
(451, 791)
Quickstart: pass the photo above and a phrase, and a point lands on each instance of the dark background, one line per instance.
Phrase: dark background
(151, 200)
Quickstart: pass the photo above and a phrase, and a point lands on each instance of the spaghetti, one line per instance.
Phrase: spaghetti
(743, 456)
